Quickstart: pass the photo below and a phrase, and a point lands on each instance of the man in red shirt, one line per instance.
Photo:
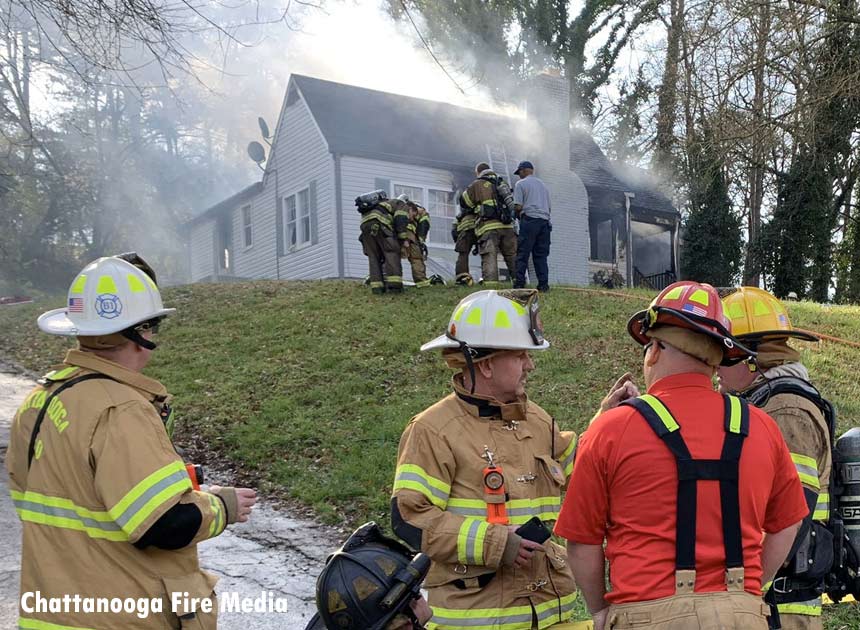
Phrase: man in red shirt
(681, 483)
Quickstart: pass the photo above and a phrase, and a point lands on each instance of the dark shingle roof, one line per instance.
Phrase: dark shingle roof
(361, 122)
(599, 172)
(369, 123)
(243, 195)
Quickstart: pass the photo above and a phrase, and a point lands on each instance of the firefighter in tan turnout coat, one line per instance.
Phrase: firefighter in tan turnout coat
(761, 322)
(107, 506)
(445, 503)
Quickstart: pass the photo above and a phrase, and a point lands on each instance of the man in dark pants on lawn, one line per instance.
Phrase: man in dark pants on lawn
(531, 199)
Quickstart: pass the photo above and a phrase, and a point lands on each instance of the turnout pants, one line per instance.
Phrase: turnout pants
(466, 240)
(383, 256)
(800, 622)
(533, 240)
(412, 252)
(731, 610)
(490, 245)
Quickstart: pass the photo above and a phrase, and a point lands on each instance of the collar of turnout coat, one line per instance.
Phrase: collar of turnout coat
(486, 407)
(90, 361)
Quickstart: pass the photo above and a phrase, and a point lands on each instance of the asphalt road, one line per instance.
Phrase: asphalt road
(273, 553)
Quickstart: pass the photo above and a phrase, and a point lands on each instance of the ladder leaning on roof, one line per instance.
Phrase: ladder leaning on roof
(497, 158)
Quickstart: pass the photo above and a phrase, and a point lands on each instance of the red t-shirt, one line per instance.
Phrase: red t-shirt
(624, 489)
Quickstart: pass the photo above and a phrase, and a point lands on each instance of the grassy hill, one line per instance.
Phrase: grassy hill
(306, 387)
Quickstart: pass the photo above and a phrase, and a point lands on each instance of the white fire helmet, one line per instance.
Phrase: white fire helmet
(108, 296)
(500, 320)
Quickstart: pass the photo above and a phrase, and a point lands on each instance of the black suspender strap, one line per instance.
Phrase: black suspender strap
(691, 471)
(31, 451)
(737, 427)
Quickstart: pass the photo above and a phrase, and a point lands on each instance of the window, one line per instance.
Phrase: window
(297, 219)
(442, 212)
(246, 224)
(413, 192)
(602, 233)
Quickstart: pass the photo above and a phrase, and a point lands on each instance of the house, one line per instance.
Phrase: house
(334, 142)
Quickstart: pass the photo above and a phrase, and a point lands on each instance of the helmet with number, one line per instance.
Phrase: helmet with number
(757, 315)
(695, 307)
(494, 320)
(369, 581)
(109, 296)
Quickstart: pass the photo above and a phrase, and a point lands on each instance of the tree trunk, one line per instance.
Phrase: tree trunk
(667, 98)
(759, 150)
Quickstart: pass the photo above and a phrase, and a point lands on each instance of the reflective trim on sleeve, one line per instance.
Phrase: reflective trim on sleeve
(822, 507)
(548, 613)
(150, 494)
(467, 199)
(218, 518)
(41, 509)
(807, 470)
(470, 541)
(567, 458)
(413, 477)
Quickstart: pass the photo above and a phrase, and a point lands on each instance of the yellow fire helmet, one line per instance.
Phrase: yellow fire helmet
(757, 315)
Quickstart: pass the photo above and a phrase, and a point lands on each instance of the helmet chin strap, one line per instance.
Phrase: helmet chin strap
(132, 335)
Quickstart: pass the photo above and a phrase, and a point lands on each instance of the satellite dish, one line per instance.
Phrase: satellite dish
(264, 128)
(256, 152)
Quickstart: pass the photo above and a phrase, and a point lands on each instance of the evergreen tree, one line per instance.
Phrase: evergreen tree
(712, 240)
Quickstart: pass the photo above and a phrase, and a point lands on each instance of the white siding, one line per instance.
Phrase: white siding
(300, 155)
(202, 250)
(359, 175)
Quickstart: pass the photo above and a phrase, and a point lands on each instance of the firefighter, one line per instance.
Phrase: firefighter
(463, 234)
(494, 227)
(761, 322)
(414, 248)
(371, 583)
(459, 461)
(106, 504)
(383, 226)
(682, 554)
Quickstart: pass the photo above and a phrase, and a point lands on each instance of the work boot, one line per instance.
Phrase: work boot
(465, 280)
(437, 279)
(378, 290)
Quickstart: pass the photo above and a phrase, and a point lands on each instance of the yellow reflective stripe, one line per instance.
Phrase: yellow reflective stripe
(413, 477)
(150, 494)
(519, 510)
(41, 509)
(217, 515)
(59, 375)
(424, 218)
(548, 614)
(502, 320)
(80, 283)
(376, 216)
(470, 541)
(807, 469)
(486, 226)
(808, 609)
(660, 409)
(567, 457)
(735, 408)
(134, 284)
(35, 624)
(822, 507)
(467, 199)
(106, 285)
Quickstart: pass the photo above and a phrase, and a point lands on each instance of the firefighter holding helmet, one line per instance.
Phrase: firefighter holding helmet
(107, 506)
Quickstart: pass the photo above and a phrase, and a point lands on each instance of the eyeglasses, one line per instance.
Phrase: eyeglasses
(648, 345)
(151, 326)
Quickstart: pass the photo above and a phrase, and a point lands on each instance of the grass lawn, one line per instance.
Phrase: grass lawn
(306, 387)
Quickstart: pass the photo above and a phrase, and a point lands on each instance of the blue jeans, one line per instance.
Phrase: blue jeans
(533, 241)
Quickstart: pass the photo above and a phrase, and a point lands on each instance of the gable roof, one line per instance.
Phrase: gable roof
(368, 123)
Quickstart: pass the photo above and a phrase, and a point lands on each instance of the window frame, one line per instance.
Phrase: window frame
(425, 202)
(247, 226)
(297, 223)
